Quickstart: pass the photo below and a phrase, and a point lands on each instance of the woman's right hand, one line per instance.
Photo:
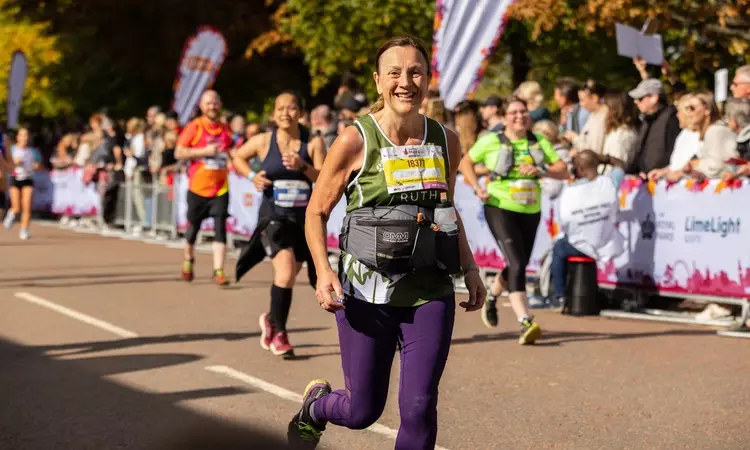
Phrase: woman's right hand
(261, 182)
(328, 283)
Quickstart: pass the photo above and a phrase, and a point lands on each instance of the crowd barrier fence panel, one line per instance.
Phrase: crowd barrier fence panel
(686, 239)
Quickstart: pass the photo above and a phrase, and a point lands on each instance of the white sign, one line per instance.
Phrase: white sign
(721, 85)
(466, 33)
(201, 60)
(16, 84)
(634, 44)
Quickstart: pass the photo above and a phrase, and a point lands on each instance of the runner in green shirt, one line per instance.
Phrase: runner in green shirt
(513, 204)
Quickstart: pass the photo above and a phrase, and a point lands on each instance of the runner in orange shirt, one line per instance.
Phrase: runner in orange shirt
(205, 143)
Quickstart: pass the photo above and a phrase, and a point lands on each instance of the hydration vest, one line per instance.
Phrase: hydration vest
(506, 160)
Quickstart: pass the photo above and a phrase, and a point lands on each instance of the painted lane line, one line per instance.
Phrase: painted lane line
(291, 396)
(121, 332)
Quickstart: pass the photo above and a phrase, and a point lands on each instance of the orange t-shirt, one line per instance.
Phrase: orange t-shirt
(209, 177)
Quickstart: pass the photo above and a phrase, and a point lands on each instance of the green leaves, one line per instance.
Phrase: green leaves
(336, 36)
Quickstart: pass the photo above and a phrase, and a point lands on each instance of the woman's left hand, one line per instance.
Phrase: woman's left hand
(477, 291)
(528, 170)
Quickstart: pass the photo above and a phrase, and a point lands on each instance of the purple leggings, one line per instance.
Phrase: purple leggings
(368, 334)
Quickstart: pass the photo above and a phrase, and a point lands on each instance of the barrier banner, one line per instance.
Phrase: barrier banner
(465, 35)
(71, 196)
(202, 57)
(16, 84)
(685, 238)
(44, 191)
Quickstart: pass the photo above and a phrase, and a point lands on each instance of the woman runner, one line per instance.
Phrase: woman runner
(291, 159)
(374, 312)
(513, 204)
(25, 160)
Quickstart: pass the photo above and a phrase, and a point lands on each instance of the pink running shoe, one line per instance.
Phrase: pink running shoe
(266, 331)
(280, 345)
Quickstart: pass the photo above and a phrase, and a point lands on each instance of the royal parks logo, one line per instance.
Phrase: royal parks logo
(660, 228)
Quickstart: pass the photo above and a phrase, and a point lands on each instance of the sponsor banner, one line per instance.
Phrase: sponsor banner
(465, 35)
(685, 238)
(16, 84)
(202, 57)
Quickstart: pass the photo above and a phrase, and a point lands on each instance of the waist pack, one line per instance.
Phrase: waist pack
(400, 239)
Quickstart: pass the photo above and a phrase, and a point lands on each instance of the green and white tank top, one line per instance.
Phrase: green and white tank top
(397, 175)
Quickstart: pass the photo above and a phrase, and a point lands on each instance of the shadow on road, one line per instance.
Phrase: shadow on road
(553, 338)
(68, 404)
(98, 346)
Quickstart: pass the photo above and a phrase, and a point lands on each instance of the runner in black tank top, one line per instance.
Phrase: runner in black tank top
(291, 163)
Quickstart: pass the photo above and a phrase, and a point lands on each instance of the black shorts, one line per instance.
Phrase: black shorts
(201, 208)
(283, 234)
(21, 183)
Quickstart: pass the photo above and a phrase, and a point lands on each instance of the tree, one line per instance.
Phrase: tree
(43, 57)
(699, 36)
(336, 36)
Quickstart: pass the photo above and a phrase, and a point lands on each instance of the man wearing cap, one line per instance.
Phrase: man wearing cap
(492, 113)
(659, 127)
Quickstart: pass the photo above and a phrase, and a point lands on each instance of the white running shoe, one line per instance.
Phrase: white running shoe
(24, 234)
(10, 219)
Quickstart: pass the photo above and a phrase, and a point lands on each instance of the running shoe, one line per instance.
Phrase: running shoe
(280, 345)
(24, 234)
(303, 431)
(530, 332)
(10, 218)
(266, 331)
(220, 278)
(187, 270)
(489, 312)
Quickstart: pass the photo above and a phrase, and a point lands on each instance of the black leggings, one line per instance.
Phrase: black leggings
(515, 234)
(220, 231)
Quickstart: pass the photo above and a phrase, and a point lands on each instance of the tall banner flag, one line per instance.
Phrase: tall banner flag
(16, 84)
(466, 33)
(202, 57)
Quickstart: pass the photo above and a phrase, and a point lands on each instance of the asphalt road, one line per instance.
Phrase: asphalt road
(102, 347)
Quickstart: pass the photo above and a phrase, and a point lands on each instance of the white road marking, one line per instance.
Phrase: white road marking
(121, 332)
(291, 396)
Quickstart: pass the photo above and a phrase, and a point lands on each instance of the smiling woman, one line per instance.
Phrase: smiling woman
(400, 244)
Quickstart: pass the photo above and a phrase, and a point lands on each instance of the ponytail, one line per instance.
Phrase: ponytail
(378, 105)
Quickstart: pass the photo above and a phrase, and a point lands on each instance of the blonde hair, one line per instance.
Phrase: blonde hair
(436, 110)
(467, 126)
(707, 98)
(548, 129)
(531, 91)
(681, 104)
(135, 126)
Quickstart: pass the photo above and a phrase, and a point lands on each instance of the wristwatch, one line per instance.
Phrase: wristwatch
(469, 268)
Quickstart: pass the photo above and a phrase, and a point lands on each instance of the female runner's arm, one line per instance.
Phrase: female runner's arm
(317, 150)
(245, 153)
(344, 157)
(474, 284)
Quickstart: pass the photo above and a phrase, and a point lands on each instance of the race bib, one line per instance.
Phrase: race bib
(524, 192)
(413, 168)
(291, 193)
(218, 162)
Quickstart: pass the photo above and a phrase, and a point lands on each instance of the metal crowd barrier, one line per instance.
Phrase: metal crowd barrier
(146, 206)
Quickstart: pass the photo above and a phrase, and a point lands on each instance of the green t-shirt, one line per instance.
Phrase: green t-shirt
(515, 192)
